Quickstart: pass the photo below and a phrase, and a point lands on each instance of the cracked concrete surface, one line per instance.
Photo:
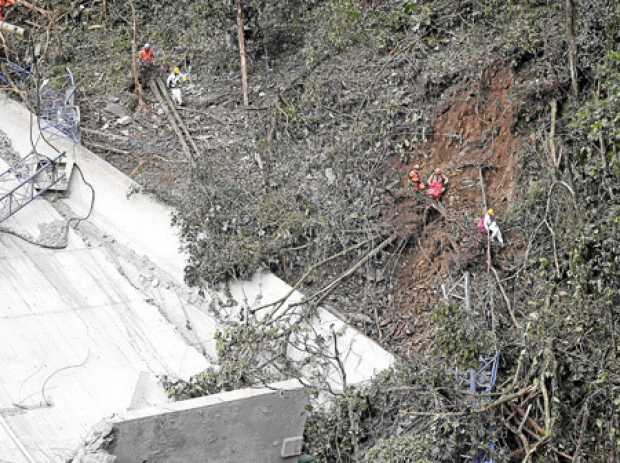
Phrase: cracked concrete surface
(76, 335)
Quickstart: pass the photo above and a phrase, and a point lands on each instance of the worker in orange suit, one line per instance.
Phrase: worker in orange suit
(147, 55)
(4, 3)
(416, 179)
(147, 63)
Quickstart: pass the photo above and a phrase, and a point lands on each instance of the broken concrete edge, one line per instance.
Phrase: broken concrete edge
(213, 399)
(101, 444)
(363, 358)
(96, 445)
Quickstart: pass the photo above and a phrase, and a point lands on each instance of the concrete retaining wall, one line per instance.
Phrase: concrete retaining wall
(248, 425)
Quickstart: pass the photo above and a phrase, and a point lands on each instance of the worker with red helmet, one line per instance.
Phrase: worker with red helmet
(437, 184)
(4, 3)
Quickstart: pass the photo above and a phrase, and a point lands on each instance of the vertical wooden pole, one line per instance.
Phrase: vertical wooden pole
(484, 206)
(134, 52)
(244, 70)
(572, 45)
(555, 159)
(467, 292)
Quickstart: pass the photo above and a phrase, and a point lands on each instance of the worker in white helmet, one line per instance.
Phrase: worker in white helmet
(490, 226)
(174, 78)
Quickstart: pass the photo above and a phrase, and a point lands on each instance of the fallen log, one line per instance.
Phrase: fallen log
(177, 116)
(32, 7)
(11, 29)
(155, 90)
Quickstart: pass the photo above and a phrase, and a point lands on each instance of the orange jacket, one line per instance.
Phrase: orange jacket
(416, 180)
(4, 3)
(146, 56)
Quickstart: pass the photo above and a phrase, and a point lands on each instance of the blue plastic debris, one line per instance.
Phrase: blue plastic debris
(10, 71)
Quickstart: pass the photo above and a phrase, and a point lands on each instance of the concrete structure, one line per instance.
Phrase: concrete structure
(88, 320)
(249, 425)
(74, 336)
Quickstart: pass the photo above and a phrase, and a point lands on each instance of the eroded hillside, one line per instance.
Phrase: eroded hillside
(310, 181)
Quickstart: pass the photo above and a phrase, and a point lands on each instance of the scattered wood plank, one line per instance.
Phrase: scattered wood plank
(173, 124)
(106, 148)
(103, 134)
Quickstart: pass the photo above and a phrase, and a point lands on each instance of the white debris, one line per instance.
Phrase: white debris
(177, 96)
(331, 177)
(126, 120)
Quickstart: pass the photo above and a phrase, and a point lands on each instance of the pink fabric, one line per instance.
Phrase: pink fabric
(481, 227)
(436, 190)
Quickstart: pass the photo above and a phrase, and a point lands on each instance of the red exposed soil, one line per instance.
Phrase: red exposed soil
(474, 129)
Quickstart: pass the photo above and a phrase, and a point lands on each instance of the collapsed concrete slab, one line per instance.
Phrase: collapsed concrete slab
(255, 425)
(143, 224)
(75, 337)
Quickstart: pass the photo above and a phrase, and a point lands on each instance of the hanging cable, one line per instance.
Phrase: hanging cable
(64, 239)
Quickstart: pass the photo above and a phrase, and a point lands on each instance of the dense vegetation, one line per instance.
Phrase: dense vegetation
(559, 360)
(344, 92)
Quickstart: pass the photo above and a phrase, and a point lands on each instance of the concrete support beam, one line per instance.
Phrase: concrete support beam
(249, 425)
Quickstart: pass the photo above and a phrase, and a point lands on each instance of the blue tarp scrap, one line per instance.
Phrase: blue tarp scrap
(58, 112)
(8, 69)
(488, 369)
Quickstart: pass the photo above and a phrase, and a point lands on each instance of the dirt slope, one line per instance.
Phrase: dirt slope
(474, 129)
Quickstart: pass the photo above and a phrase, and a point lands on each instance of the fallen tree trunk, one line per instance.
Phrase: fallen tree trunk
(177, 117)
(32, 7)
(173, 124)
(11, 29)
(329, 288)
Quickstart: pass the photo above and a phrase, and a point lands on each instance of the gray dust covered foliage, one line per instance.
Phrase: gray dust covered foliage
(329, 143)
(345, 96)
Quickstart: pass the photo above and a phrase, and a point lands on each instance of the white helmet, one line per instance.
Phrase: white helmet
(147, 45)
